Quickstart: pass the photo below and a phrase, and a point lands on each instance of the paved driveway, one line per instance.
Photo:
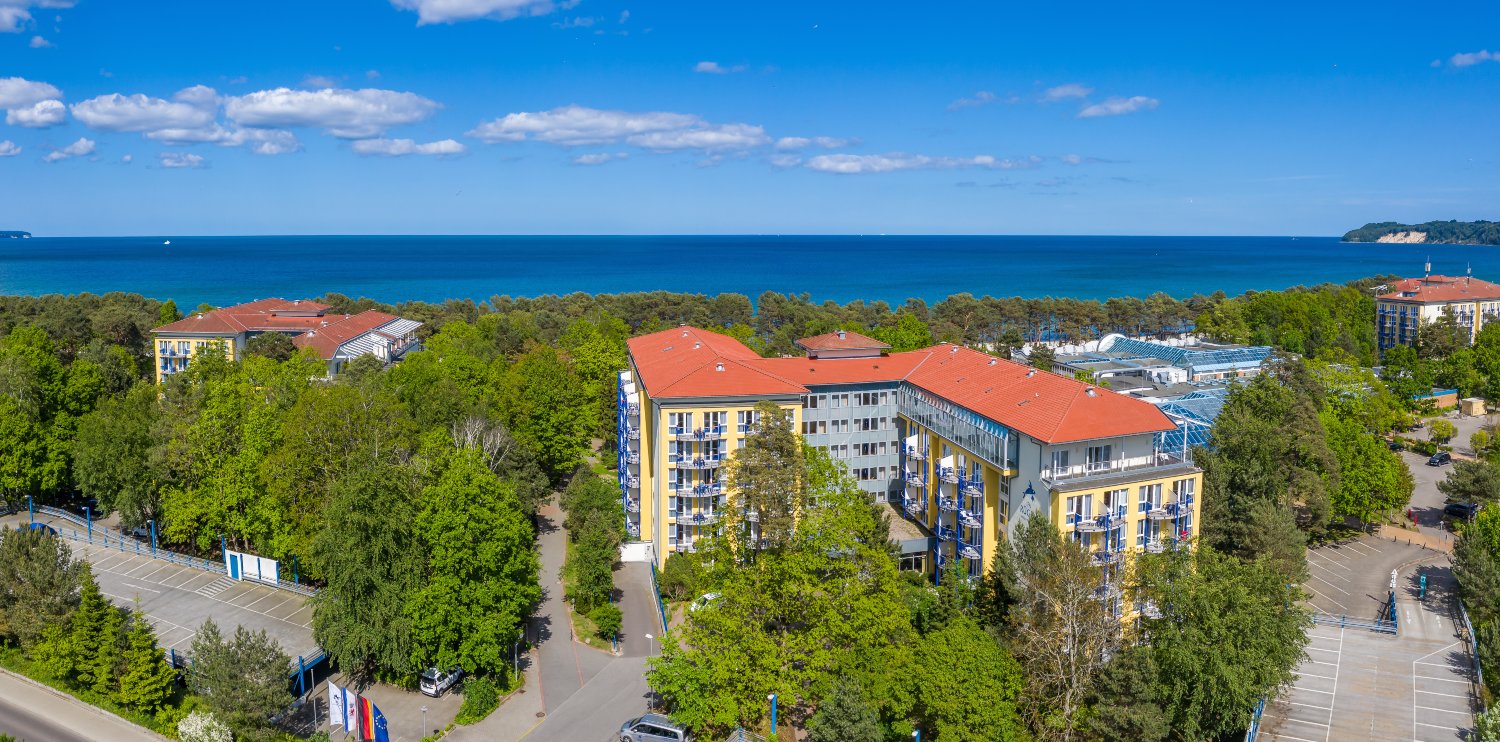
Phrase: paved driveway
(176, 599)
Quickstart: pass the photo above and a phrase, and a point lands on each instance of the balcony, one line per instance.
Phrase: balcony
(631, 457)
(686, 546)
(911, 506)
(632, 409)
(631, 481)
(1085, 523)
(632, 529)
(947, 504)
(1102, 469)
(710, 433)
(968, 551)
(705, 462)
(1159, 511)
(946, 533)
(915, 477)
(970, 519)
(632, 505)
(1155, 546)
(948, 474)
(972, 487)
(632, 434)
(713, 489)
(1105, 558)
(699, 519)
(916, 454)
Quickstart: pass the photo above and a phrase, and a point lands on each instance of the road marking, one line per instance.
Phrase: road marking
(1330, 584)
(158, 569)
(138, 587)
(1320, 649)
(1333, 699)
(257, 600)
(1450, 695)
(1414, 676)
(1465, 714)
(1280, 735)
(1435, 664)
(1311, 706)
(1325, 597)
(1314, 690)
(1445, 680)
(1311, 675)
(1334, 562)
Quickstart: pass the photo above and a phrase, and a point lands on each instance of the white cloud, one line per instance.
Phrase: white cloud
(84, 146)
(38, 115)
(981, 98)
(9, 148)
(714, 68)
(1469, 59)
(847, 164)
(710, 138)
(572, 125)
(452, 11)
(1119, 106)
(14, 14)
(624, 16)
(127, 159)
(1064, 92)
(348, 114)
(794, 143)
(400, 147)
(319, 81)
(1072, 159)
(181, 160)
(191, 108)
(18, 92)
(599, 158)
(786, 160)
(372, 74)
(38, 42)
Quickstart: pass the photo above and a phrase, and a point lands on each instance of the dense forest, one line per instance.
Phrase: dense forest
(1450, 232)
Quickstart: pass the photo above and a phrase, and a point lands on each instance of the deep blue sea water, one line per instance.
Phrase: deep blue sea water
(224, 270)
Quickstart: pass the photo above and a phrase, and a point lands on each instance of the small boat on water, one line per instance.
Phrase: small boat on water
(168, 242)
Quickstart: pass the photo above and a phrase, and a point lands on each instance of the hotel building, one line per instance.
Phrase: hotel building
(337, 338)
(1400, 314)
(965, 445)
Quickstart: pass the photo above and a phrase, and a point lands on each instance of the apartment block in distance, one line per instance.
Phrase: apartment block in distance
(1400, 314)
(962, 444)
(337, 338)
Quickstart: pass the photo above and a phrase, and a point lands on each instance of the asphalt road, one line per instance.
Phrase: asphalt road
(36, 714)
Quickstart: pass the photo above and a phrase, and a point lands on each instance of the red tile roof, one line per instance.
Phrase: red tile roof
(256, 316)
(326, 338)
(684, 362)
(689, 362)
(842, 340)
(1045, 406)
(1443, 289)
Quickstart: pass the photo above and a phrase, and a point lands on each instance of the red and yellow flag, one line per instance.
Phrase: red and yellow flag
(366, 720)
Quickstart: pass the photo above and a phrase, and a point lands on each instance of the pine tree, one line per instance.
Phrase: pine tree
(104, 652)
(147, 681)
(73, 651)
(845, 716)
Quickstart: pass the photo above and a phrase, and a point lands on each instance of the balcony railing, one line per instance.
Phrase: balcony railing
(1105, 557)
(707, 462)
(968, 550)
(947, 474)
(947, 504)
(633, 529)
(970, 519)
(1159, 511)
(1084, 523)
(946, 533)
(632, 434)
(686, 546)
(698, 519)
(707, 490)
(916, 454)
(972, 487)
(632, 458)
(709, 433)
(632, 505)
(914, 477)
(1155, 546)
(1106, 468)
(911, 505)
(632, 481)
(632, 409)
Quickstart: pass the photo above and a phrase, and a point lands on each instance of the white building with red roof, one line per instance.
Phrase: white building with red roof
(1414, 302)
(963, 444)
(336, 338)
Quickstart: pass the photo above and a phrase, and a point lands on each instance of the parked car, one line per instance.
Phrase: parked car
(702, 601)
(1440, 458)
(653, 728)
(1396, 446)
(1461, 510)
(435, 682)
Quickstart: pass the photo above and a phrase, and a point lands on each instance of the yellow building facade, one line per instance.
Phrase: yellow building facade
(963, 445)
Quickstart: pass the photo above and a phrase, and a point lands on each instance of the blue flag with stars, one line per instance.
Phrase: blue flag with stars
(382, 733)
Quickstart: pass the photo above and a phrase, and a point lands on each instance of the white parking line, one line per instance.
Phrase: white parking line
(1465, 714)
(1325, 597)
(1315, 690)
(1445, 680)
(1280, 735)
(1311, 675)
(1333, 697)
(1414, 676)
(153, 574)
(1450, 695)
(1435, 664)
(1330, 584)
(1326, 559)
(1311, 706)
(138, 587)
(1320, 649)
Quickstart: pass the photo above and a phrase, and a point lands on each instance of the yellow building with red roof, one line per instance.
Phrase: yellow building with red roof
(336, 338)
(1414, 302)
(963, 444)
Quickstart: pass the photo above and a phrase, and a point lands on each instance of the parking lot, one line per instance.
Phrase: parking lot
(178, 598)
(1356, 683)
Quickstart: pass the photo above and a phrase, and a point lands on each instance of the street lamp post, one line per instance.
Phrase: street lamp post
(424, 720)
(88, 517)
(30, 510)
(650, 645)
(917, 735)
(152, 523)
(772, 699)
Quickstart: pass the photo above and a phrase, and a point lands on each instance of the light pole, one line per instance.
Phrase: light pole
(917, 735)
(650, 644)
(88, 517)
(30, 510)
(772, 699)
(424, 721)
(153, 536)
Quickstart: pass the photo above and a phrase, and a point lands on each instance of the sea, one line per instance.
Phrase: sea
(225, 270)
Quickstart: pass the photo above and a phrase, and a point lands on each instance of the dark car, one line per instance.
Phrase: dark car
(1461, 510)
(1440, 458)
(1396, 446)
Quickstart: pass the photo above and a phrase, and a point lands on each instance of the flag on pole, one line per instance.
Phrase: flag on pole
(366, 720)
(336, 713)
(351, 712)
(382, 734)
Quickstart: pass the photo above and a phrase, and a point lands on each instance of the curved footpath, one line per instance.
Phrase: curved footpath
(36, 713)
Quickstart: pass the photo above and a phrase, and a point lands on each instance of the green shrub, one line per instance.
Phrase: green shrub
(606, 620)
(681, 576)
(480, 698)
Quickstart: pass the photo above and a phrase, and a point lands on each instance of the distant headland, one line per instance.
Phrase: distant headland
(1449, 232)
(14, 235)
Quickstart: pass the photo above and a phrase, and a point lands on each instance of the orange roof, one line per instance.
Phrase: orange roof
(1433, 289)
(1045, 406)
(687, 362)
(842, 340)
(326, 338)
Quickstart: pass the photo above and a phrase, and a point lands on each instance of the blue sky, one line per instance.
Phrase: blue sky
(595, 116)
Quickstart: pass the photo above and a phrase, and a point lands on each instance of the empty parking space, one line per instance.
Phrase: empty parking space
(177, 598)
(1356, 683)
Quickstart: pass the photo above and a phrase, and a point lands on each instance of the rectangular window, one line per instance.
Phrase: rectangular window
(1150, 497)
(810, 402)
(1098, 458)
(1142, 531)
(712, 450)
(1116, 502)
(679, 422)
(1060, 462)
(713, 422)
(1183, 489)
(1080, 507)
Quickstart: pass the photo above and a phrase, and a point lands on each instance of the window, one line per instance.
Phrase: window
(914, 562)
(1150, 497)
(1098, 458)
(746, 419)
(1116, 502)
(1080, 507)
(712, 450)
(1183, 489)
(1142, 532)
(713, 422)
(679, 422)
(1059, 461)
(681, 451)
(810, 402)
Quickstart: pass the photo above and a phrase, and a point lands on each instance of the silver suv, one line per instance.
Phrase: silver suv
(434, 681)
(653, 728)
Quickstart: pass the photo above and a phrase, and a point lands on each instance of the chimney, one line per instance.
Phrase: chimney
(843, 334)
(993, 361)
(1031, 373)
(697, 345)
(718, 367)
(1090, 391)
